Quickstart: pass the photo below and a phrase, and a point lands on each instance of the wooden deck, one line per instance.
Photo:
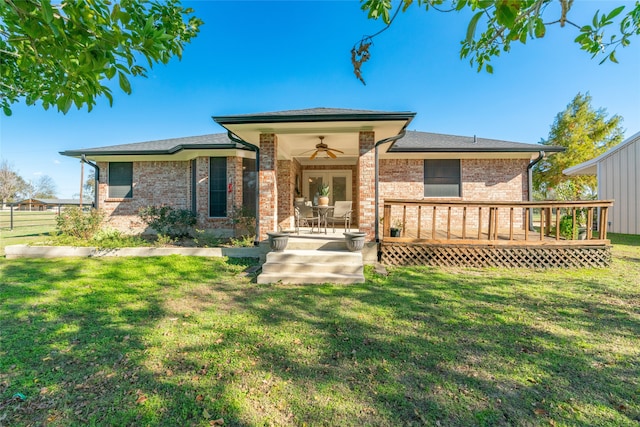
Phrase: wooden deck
(480, 234)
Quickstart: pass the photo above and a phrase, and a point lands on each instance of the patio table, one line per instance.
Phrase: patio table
(323, 213)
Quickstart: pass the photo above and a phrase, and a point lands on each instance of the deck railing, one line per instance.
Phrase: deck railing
(496, 223)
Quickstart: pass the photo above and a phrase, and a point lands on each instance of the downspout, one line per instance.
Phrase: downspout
(255, 149)
(530, 183)
(96, 180)
(377, 172)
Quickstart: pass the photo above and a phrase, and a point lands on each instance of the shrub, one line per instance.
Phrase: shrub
(244, 221)
(566, 227)
(207, 240)
(168, 221)
(243, 241)
(75, 222)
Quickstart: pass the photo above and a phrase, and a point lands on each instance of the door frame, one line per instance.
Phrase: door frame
(326, 175)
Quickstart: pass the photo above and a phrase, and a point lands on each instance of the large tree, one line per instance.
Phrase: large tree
(44, 188)
(585, 132)
(502, 22)
(63, 54)
(12, 185)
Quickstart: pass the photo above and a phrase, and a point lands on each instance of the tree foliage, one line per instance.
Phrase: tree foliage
(503, 22)
(63, 54)
(12, 185)
(585, 133)
(43, 188)
(89, 186)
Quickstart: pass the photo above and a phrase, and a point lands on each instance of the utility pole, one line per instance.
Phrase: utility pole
(81, 181)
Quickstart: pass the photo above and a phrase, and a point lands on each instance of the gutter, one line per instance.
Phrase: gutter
(96, 180)
(376, 178)
(256, 149)
(541, 155)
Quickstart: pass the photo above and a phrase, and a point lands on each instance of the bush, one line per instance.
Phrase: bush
(168, 221)
(244, 222)
(566, 227)
(75, 222)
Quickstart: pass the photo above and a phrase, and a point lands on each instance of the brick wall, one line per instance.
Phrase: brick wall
(169, 183)
(286, 190)
(482, 180)
(154, 183)
(366, 185)
(267, 209)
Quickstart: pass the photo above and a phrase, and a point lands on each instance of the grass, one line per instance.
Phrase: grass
(187, 341)
(29, 227)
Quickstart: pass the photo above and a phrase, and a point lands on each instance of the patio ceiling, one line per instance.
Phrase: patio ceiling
(298, 131)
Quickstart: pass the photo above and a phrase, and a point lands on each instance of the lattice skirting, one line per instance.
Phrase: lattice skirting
(491, 256)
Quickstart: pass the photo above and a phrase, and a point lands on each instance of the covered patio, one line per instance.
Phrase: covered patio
(299, 150)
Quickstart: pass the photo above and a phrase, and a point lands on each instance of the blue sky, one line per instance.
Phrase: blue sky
(257, 56)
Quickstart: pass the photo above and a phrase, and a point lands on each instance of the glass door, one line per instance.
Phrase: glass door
(339, 182)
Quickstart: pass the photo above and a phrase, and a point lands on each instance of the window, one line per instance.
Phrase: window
(194, 186)
(442, 178)
(217, 186)
(120, 180)
(249, 181)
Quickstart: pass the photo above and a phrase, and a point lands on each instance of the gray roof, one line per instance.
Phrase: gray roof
(412, 142)
(421, 142)
(164, 146)
(319, 114)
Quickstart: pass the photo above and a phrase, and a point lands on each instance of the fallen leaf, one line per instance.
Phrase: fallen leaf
(199, 398)
(218, 422)
(141, 399)
(206, 414)
(540, 411)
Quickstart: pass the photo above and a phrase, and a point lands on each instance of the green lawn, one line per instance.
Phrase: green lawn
(29, 227)
(187, 341)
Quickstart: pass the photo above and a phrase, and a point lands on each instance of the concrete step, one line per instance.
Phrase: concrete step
(310, 256)
(312, 266)
(317, 268)
(310, 278)
(310, 244)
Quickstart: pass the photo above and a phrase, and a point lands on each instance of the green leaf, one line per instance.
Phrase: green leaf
(7, 111)
(615, 12)
(612, 57)
(540, 29)
(47, 11)
(110, 72)
(489, 68)
(471, 29)
(124, 83)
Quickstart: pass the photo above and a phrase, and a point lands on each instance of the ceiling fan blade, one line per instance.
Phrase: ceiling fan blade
(313, 156)
(333, 156)
(337, 151)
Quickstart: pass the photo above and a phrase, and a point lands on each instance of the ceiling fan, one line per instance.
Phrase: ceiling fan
(322, 147)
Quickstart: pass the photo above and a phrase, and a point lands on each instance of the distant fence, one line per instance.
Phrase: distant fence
(11, 219)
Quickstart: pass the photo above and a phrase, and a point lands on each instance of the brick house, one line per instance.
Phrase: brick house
(266, 160)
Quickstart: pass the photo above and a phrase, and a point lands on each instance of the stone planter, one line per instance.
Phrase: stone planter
(582, 233)
(395, 232)
(354, 240)
(278, 241)
(323, 201)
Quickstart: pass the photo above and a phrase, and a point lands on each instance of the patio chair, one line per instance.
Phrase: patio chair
(305, 217)
(341, 212)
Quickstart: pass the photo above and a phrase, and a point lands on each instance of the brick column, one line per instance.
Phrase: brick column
(366, 184)
(286, 184)
(268, 207)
